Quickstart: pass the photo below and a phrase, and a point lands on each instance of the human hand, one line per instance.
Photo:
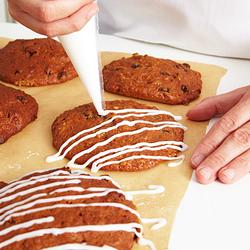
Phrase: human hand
(53, 17)
(224, 153)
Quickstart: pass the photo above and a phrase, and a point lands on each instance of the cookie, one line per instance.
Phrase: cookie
(153, 79)
(56, 209)
(17, 110)
(35, 62)
(131, 137)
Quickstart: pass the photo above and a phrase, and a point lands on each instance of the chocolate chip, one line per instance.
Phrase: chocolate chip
(61, 74)
(161, 89)
(184, 88)
(164, 73)
(186, 65)
(135, 65)
(47, 71)
(175, 75)
(21, 98)
(30, 53)
(149, 81)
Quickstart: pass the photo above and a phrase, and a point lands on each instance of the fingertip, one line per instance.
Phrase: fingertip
(227, 176)
(189, 114)
(203, 111)
(200, 113)
(204, 175)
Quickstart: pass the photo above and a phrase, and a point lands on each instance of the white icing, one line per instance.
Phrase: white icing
(17, 182)
(152, 189)
(144, 242)
(101, 189)
(25, 207)
(103, 143)
(159, 222)
(103, 159)
(122, 123)
(102, 204)
(60, 198)
(129, 227)
(16, 204)
(176, 163)
(145, 112)
(166, 158)
(76, 246)
(38, 188)
(96, 166)
(27, 224)
(100, 157)
(69, 189)
(154, 111)
(35, 180)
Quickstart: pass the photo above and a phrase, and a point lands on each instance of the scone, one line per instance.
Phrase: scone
(17, 110)
(131, 137)
(35, 62)
(153, 79)
(58, 209)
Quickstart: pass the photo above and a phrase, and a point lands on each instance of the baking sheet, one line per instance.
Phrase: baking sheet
(27, 150)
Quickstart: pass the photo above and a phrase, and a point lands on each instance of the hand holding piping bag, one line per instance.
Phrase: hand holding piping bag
(53, 18)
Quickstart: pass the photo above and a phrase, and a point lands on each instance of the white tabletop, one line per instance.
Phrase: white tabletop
(213, 217)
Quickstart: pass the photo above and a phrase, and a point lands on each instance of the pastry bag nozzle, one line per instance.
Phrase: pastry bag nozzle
(81, 47)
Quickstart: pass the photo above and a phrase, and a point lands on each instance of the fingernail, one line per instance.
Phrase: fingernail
(196, 160)
(206, 173)
(229, 173)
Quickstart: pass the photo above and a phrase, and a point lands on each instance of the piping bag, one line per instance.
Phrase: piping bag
(81, 47)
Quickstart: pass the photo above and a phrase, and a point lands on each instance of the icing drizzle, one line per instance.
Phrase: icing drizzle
(28, 205)
(106, 158)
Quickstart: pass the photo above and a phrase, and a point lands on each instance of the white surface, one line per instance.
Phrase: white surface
(216, 27)
(213, 217)
(3, 16)
(81, 47)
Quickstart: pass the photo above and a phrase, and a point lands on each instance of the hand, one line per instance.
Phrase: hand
(53, 17)
(224, 153)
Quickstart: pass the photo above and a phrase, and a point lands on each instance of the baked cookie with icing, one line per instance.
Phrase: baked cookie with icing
(131, 137)
(35, 62)
(60, 209)
(154, 79)
(17, 110)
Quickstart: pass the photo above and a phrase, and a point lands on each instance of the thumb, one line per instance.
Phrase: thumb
(216, 105)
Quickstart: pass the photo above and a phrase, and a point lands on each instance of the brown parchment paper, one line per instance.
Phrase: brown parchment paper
(27, 150)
